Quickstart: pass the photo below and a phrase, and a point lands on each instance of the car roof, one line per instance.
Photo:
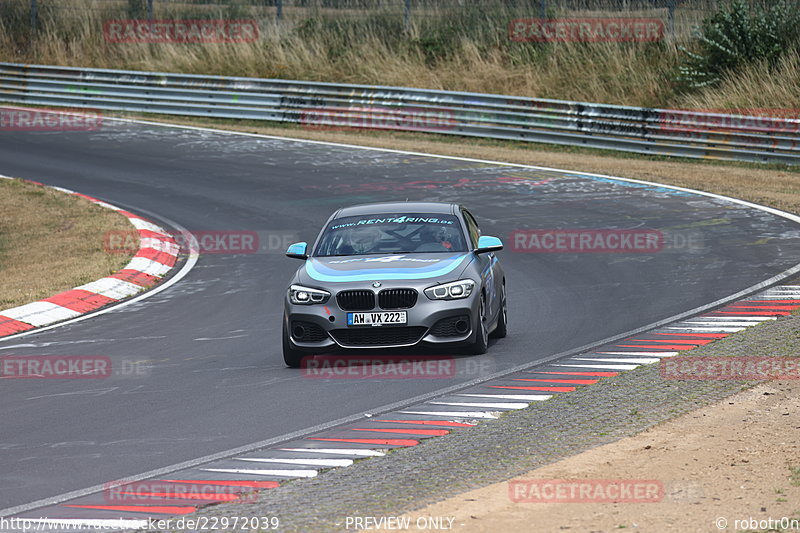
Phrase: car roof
(397, 207)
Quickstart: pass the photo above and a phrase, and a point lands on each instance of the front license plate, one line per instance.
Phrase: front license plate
(376, 319)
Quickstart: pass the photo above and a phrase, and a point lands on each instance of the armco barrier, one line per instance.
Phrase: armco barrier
(683, 133)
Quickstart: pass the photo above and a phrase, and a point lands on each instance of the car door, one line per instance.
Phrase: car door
(487, 264)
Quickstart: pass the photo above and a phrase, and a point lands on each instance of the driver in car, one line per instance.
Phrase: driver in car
(438, 236)
(363, 240)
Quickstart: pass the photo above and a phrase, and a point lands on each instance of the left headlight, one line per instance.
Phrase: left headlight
(455, 290)
(306, 295)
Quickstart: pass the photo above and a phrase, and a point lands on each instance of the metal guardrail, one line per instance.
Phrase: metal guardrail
(683, 133)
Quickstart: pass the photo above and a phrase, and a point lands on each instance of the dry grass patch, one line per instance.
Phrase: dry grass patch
(51, 242)
(462, 47)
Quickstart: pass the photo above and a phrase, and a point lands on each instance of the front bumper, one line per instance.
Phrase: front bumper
(436, 322)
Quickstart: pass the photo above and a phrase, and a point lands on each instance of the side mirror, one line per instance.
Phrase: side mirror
(297, 250)
(488, 244)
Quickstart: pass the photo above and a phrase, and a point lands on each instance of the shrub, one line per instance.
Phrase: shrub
(740, 34)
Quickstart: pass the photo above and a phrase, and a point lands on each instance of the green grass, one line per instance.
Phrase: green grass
(794, 475)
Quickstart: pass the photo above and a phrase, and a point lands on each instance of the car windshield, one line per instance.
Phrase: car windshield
(392, 234)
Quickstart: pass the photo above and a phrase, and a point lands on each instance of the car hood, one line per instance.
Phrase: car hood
(383, 267)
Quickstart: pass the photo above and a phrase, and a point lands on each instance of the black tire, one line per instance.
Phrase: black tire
(293, 358)
(502, 322)
(481, 344)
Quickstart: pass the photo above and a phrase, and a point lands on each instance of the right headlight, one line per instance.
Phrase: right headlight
(455, 290)
(306, 295)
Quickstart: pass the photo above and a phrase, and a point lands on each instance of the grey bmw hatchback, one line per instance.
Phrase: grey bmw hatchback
(393, 275)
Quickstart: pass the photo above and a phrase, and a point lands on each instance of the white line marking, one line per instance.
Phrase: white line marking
(220, 338)
(737, 318)
(528, 397)
(603, 367)
(258, 472)
(453, 414)
(90, 392)
(62, 189)
(637, 360)
(334, 451)
(108, 206)
(161, 245)
(306, 462)
(112, 288)
(148, 266)
(39, 313)
(138, 223)
(487, 405)
(709, 330)
(658, 354)
(723, 324)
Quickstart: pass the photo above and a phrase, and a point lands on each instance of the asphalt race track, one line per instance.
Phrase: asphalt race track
(209, 346)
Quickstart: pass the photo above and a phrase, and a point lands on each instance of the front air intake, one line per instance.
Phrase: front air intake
(397, 298)
(359, 300)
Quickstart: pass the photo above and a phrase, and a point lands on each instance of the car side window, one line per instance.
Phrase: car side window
(472, 228)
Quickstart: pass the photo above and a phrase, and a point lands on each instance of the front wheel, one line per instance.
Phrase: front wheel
(481, 344)
(293, 358)
(502, 322)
